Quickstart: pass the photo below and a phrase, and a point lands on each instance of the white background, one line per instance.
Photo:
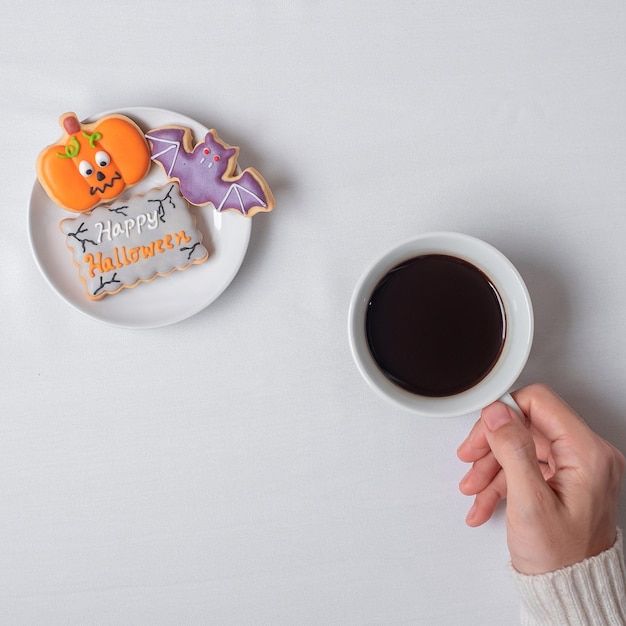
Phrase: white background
(235, 468)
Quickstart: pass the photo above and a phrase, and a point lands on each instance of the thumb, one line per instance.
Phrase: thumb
(514, 449)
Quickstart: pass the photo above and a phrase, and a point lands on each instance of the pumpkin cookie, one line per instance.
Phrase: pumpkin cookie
(93, 163)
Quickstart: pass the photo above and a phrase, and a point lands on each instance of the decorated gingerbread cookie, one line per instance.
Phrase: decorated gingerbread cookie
(119, 245)
(93, 163)
(207, 172)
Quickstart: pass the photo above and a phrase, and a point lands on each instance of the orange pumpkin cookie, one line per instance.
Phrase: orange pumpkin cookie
(93, 163)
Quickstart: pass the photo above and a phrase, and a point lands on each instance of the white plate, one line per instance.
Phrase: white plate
(165, 300)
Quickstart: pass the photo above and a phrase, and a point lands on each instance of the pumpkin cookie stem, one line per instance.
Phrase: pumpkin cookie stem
(70, 123)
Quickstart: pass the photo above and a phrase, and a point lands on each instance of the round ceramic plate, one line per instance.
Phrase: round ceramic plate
(165, 300)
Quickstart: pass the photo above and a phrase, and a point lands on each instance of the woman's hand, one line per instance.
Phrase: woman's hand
(561, 480)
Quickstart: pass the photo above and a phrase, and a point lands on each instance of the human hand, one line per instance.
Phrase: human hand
(561, 480)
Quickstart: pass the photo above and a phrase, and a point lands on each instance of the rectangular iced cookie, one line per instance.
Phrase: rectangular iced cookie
(119, 245)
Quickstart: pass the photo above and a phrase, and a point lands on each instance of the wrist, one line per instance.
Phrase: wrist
(589, 592)
(563, 548)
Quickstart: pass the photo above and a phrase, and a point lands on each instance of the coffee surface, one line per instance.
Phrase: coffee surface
(435, 325)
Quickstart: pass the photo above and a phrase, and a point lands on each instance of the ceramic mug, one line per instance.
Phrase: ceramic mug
(517, 313)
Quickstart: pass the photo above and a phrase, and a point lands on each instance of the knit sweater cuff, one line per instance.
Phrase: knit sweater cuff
(590, 592)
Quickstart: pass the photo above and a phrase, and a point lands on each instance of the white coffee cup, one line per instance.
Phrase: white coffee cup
(517, 309)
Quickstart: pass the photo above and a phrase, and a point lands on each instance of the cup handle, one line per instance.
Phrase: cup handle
(507, 399)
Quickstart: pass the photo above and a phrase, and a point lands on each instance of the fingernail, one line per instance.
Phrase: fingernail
(495, 416)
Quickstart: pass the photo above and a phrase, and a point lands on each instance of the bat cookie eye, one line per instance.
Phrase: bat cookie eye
(102, 158)
(85, 168)
(216, 158)
(206, 151)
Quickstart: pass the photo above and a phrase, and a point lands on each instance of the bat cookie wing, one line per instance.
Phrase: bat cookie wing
(166, 146)
(244, 200)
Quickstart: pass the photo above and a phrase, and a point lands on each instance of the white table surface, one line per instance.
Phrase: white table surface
(234, 468)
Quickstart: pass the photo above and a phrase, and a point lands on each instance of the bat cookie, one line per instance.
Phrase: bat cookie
(207, 172)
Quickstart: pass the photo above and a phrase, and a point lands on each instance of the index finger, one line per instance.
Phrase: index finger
(549, 413)
(549, 419)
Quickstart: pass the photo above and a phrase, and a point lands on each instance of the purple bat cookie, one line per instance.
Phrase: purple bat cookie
(207, 173)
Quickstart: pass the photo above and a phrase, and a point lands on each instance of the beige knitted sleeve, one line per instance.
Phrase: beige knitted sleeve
(592, 592)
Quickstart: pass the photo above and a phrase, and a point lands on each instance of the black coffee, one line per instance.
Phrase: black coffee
(435, 325)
